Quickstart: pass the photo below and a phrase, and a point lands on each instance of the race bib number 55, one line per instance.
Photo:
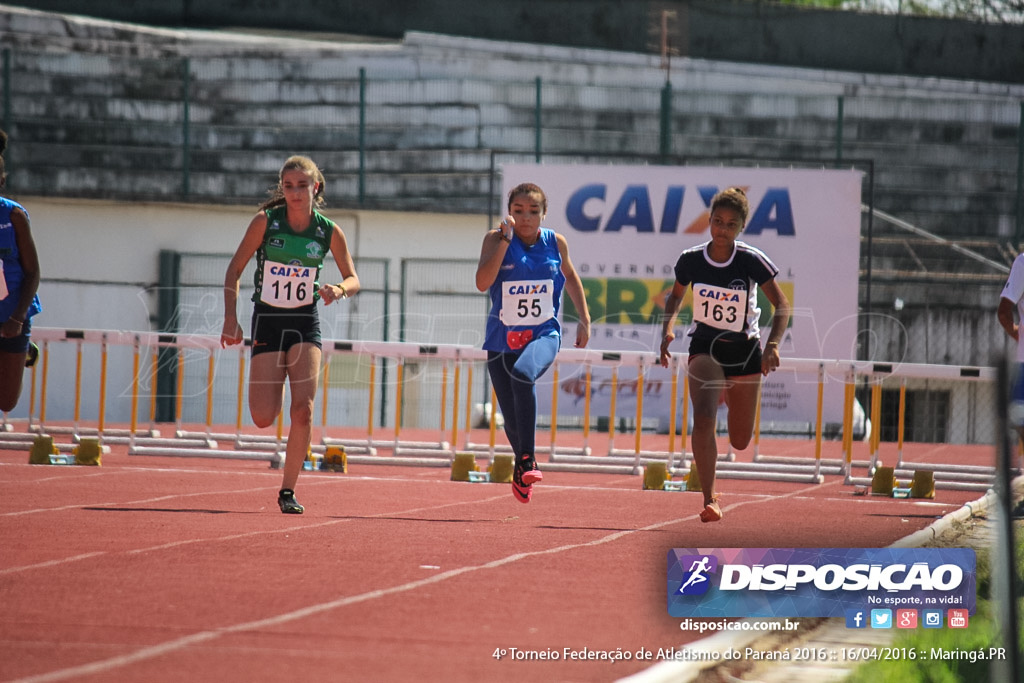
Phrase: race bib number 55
(719, 307)
(527, 302)
(288, 286)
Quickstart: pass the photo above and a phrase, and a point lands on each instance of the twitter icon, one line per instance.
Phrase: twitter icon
(881, 618)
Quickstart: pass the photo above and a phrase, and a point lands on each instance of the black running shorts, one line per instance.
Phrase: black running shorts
(736, 357)
(278, 329)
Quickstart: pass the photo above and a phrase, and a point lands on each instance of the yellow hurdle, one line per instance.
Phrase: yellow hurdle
(639, 406)
(455, 410)
(611, 409)
(554, 405)
(103, 386)
(586, 407)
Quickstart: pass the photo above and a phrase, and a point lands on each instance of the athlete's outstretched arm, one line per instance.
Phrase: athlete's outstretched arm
(672, 303)
(349, 285)
(574, 288)
(780, 320)
(492, 253)
(232, 332)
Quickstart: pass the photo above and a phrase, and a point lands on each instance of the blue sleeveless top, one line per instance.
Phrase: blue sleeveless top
(13, 274)
(527, 293)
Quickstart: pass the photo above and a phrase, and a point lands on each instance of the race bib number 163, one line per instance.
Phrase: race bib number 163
(719, 307)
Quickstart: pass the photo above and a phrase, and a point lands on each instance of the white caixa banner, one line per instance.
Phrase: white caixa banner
(627, 225)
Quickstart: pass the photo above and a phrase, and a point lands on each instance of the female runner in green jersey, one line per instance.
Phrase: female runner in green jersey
(290, 239)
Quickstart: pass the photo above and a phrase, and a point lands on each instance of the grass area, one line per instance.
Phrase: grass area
(981, 633)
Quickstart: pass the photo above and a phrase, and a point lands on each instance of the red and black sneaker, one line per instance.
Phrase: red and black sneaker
(524, 476)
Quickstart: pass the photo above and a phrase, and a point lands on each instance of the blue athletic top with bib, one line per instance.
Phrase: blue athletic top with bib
(10, 264)
(526, 295)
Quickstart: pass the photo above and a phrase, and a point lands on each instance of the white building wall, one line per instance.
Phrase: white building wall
(100, 265)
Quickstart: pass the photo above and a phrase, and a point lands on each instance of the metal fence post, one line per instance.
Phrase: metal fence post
(7, 108)
(7, 88)
(168, 298)
(537, 122)
(186, 134)
(1020, 178)
(665, 147)
(384, 337)
(362, 135)
(840, 101)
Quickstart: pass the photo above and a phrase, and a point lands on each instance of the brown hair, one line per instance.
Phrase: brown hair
(297, 163)
(528, 189)
(732, 198)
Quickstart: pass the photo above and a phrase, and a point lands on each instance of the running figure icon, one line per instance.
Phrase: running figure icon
(697, 571)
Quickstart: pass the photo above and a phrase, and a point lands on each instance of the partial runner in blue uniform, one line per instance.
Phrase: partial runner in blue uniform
(19, 280)
(725, 350)
(525, 267)
(290, 239)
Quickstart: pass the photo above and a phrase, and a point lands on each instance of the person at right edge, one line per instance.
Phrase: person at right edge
(1010, 300)
(725, 349)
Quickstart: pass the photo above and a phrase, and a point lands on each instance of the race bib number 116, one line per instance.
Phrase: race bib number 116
(287, 286)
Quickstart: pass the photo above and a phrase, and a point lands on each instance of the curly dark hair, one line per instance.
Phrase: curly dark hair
(733, 198)
(529, 189)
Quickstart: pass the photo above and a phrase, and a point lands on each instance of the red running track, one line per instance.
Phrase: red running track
(173, 569)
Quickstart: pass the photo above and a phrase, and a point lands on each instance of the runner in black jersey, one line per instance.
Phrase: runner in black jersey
(290, 239)
(725, 350)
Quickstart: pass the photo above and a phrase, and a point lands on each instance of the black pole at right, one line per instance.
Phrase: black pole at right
(1006, 607)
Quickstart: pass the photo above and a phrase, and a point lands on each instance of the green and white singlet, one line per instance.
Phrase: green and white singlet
(288, 263)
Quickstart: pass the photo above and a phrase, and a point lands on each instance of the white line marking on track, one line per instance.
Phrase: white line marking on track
(146, 653)
(50, 563)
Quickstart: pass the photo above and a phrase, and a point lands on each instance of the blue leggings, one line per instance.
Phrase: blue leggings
(514, 375)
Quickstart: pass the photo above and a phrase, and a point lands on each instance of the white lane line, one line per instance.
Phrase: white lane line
(50, 563)
(142, 501)
(248, 534)
(145, 653)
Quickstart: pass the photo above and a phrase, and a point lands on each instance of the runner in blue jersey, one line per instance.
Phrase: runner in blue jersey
(290, 239)
(725, 350)
(525, 267)
(19, 280)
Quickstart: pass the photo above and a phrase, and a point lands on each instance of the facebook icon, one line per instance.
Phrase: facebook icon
(856, 618)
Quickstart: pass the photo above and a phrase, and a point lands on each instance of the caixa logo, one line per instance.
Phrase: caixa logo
(591, 209)
(697, 578)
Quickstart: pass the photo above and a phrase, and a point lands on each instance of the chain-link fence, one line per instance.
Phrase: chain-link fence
(216, 127)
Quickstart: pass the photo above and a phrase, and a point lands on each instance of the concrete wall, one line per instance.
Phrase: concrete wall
(707, 29)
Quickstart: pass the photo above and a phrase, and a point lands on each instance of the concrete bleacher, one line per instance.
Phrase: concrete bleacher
(98, 110)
